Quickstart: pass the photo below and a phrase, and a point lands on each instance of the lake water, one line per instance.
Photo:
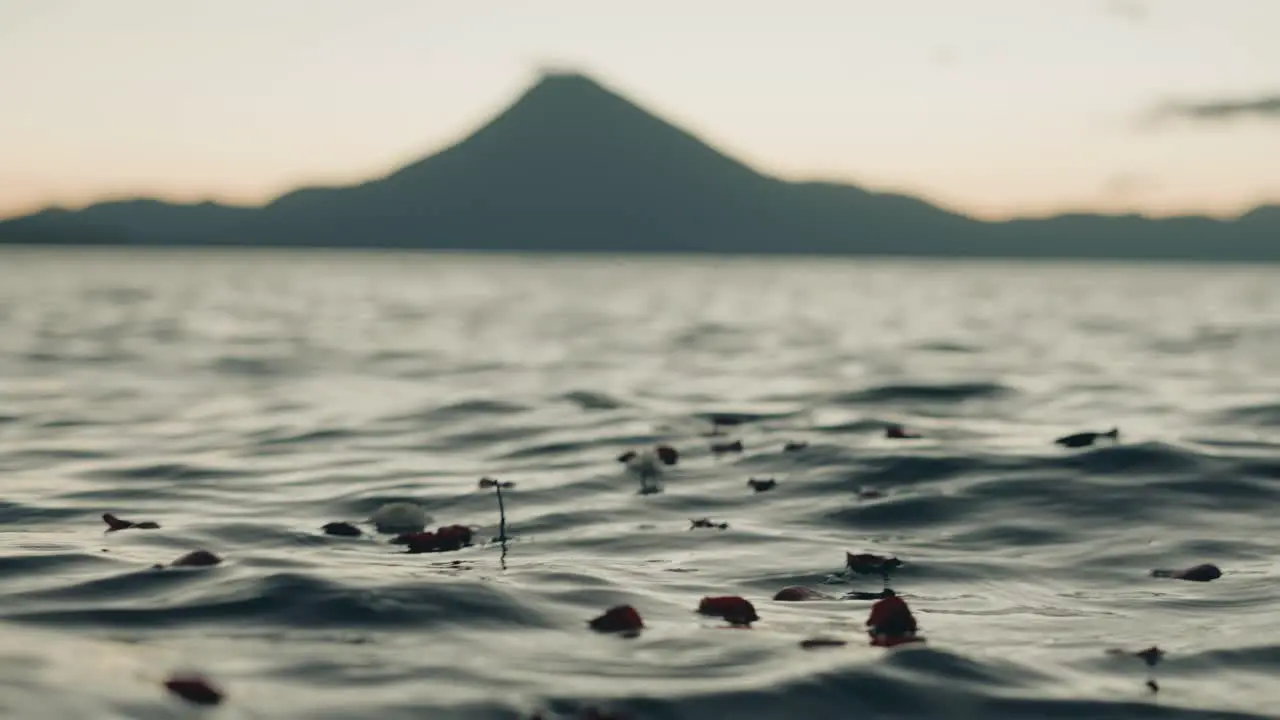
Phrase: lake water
(243, 399)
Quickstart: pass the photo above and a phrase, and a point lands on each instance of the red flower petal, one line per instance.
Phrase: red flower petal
(622, 618)
(732, 608)
(194, 689)
(667, 454)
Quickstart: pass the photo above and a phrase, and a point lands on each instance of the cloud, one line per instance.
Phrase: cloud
(1130, 10)
(1221, 110)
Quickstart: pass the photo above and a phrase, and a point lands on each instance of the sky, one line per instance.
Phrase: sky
(989, 107)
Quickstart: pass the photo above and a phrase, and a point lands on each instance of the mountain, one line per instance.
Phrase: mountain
(573, 166)
(137, 221)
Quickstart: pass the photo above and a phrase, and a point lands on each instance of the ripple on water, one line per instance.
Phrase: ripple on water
(287, 600)
(936, 393)
(289, 391)
(163, 471)
(1266, 415)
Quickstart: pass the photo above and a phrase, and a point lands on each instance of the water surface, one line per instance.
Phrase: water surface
(243, 399)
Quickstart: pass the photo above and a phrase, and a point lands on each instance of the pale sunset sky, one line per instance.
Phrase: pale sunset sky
(990, 107)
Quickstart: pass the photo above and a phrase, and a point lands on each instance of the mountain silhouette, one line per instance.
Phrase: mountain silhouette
(573, 166)
(135, 221)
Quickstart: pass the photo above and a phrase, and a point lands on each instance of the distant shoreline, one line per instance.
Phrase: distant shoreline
(369, 250)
